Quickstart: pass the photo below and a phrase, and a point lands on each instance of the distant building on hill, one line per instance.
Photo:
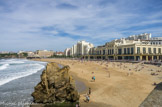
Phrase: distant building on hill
(4, 52)
(144, 36)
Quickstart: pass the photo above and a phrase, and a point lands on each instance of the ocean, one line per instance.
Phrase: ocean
(18, 77)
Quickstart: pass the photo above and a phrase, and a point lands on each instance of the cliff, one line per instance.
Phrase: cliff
(56, 86)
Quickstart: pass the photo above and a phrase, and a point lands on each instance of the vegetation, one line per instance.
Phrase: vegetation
(13, 55)
(9, 55)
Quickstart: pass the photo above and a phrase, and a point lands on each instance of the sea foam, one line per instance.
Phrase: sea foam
(9, 71)
(4, 66)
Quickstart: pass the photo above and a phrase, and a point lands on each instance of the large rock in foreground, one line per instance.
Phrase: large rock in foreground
(56, 86)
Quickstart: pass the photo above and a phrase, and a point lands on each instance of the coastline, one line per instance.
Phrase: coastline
(124, 88)
(17, 93)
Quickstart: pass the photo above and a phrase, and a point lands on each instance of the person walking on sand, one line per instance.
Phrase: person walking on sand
(89, 91)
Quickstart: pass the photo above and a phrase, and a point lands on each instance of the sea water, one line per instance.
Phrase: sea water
(18, 77)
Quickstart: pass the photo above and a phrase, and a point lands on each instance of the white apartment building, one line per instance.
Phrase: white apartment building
(81, 48)
(67, 52)
(144, 36)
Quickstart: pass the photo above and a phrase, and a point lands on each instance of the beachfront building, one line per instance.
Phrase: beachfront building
(79, 49)
(59, 53)
(139, 48)
(67, 52)
(44, 53)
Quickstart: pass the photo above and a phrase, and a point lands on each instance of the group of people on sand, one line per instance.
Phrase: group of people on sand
(88, 95)
(89, 91)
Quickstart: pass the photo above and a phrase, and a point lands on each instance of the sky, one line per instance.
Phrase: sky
(31, 25)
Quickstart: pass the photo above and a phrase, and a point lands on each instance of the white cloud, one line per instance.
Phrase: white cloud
(91, 20)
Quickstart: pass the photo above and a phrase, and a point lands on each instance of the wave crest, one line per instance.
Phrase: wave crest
(4, 66)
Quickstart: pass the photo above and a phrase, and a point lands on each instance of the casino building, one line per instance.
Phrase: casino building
(135, 47)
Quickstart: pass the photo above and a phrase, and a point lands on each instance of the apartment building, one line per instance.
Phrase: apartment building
(79, 49)
(67, 52)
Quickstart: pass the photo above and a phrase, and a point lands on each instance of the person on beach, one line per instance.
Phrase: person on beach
(155, 83)
(89, 91)
(87, 98)
(94, 78)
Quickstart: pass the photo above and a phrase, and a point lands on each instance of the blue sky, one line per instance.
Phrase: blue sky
(58, 24)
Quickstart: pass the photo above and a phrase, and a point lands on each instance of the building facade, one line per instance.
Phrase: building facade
(59, 53)
(156, 41)
(139, 48)
(79, 49)
(67, 52)
(44, 53)
(144, 36)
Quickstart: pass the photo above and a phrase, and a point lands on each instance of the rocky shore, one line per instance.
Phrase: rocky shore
(56, 86)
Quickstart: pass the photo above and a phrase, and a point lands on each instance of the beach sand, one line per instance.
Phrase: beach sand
(116, 85)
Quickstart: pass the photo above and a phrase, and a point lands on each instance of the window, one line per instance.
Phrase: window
(138, 50)
(144, 50)
(132, 50)
(119, 51)
(112, 51)
(159, 50)
(103, 52)
(149, 50)
(154, 50)
(128, 50)
(108, 51)
(125, 50)
(100, 52)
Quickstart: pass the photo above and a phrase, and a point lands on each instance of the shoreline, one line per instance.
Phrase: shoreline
(126, 87)
(17, 92)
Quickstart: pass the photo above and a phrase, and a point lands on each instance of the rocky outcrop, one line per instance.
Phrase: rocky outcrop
(56, 86)
(154, 99)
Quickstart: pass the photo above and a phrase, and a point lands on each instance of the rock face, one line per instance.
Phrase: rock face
(56, 86)
(154, 99)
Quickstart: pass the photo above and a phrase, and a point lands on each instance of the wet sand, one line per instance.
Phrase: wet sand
(117, 84)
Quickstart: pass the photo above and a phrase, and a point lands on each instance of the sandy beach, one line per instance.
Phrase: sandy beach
(117, 84)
